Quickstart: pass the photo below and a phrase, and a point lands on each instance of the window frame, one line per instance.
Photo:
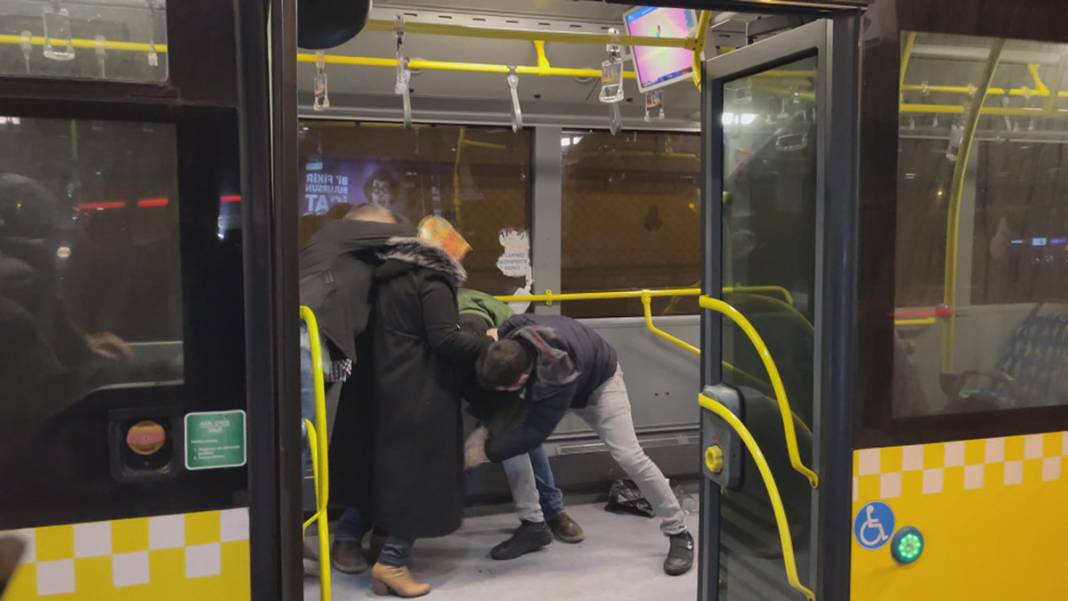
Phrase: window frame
(875, 425)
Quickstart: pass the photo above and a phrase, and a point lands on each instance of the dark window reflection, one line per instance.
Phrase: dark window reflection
(90, 284)
(982, 254)
(630, 218)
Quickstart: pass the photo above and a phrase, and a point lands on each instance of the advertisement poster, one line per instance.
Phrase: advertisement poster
(329, 182)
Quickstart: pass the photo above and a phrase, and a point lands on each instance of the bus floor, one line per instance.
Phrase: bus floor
(620, 560)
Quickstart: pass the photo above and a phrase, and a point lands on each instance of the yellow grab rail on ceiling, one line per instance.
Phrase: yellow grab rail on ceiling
(566, 37)
(39, 40)
(419, 64)
(318, 444)
(777, 506)
(787, 414)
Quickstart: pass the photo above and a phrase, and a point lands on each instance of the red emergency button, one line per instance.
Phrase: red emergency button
(146, 437)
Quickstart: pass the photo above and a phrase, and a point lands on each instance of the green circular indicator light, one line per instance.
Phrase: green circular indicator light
(907, 545)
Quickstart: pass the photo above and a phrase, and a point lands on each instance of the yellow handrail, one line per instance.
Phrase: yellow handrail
(956, 200)
(565, 37)
(919, 321)
(419, 64)
(318, 444)
(39, 40)
(717, 305)
(773, 490)
(699, 46)
(647, 307)
(550, 297)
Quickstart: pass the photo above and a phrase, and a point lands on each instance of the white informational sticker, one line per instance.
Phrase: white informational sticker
(514, 262)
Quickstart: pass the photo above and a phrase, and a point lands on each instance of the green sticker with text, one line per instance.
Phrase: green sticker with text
(215, 440)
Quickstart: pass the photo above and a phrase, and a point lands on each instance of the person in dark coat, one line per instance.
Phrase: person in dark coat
(336, 275)
(410, 410)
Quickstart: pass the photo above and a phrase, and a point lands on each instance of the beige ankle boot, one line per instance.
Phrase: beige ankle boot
(387, 580)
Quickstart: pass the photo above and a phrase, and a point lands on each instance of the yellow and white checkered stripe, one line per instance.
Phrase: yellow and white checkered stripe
(989, 510)
(197, 555)
(930, 469)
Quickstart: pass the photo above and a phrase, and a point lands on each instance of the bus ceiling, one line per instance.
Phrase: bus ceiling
(559, 69)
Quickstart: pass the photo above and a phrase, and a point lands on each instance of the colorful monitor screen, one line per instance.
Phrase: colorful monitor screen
(658, 67)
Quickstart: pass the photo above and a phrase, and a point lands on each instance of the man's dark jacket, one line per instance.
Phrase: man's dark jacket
(572, 361)
(336, 273)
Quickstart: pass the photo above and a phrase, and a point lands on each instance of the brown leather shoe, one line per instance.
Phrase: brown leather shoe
(386, 580)
(347, 557)
(567, 529)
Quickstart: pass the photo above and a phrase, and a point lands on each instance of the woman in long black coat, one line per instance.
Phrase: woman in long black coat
(416, 451)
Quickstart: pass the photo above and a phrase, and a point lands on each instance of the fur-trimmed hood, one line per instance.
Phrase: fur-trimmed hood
(418, 253)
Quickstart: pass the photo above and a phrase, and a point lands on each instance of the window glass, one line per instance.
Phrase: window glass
(90, 283)
(769, 159)
(630, 219)
(982, 254)
(476, 177)
(118, 40)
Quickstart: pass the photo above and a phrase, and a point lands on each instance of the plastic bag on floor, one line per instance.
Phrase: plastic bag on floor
(625, 497)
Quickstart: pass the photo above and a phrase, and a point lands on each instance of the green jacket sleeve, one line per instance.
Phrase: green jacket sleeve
(474, 302)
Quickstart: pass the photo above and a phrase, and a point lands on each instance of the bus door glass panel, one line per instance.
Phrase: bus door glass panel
(769, 159)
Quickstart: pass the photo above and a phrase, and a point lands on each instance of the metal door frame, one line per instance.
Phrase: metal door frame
(836, 42)
(267, 98)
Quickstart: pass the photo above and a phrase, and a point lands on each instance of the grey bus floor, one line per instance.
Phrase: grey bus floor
(620, 560)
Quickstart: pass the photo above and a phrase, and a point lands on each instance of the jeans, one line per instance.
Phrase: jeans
(535, 493)
(397, 552)
(608, 413)
(351, 526)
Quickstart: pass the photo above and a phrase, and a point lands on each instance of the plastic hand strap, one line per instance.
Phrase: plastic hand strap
(321, 89)
(513, 89)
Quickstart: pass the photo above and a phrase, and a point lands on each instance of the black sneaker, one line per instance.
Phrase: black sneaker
(680, 555)
(529, 537)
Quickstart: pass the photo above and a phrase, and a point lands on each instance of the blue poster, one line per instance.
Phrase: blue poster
(874, 525)
(326, 182)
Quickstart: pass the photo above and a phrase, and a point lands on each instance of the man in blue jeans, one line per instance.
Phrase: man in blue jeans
(558, 365)
(529, 475)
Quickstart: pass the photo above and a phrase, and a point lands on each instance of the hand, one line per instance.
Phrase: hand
(475, 449)
(109, 346)
(492, 334)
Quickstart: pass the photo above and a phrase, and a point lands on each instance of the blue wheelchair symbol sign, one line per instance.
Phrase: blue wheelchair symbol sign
(874, 525)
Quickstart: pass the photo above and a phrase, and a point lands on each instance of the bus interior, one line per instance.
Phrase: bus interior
(113, 242)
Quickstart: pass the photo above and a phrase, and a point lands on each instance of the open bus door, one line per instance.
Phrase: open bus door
(780, 128)
(147, 313)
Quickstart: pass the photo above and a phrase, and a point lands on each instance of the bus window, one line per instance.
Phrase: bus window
(120, 40)
(630, 218)
(982, 260)
(476, 177)
(90, 283)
